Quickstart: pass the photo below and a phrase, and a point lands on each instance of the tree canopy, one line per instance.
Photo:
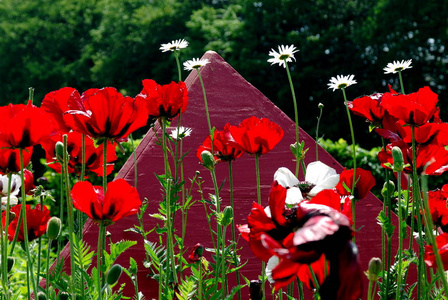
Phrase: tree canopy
(81, 43)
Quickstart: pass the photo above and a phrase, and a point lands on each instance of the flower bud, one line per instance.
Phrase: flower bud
(59, 149)
(227, 216)
(114, 274)
(397, 156)
(11, 262)
(53, 228)
(375, 268)
(63, 296)
(41, 296)
(196, 253)
(388, 188)
(208, 160)
(320, 106)
(256, 292)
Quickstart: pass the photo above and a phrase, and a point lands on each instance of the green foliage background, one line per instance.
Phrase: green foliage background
(84, 44)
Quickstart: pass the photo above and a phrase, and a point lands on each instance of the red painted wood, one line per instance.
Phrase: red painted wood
(231, 99)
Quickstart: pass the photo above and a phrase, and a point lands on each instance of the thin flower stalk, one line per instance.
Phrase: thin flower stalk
(400, 240)
(296, 112)
(320, 106)
(70, 216)
(4, 244)
(354, 158)
(430, 234)
(316, 283)
(401, 82)
(232, 204)
(25, 230)
(263, 264)
(99, 257)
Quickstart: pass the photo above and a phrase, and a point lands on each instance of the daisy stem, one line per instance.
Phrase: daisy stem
(401, 82)
(206, 109)
(430, 234)
(25, 227)
(235, 256)
(70, 216)
(179, 71)
(317, 131)
(296, 112)
(353, 202)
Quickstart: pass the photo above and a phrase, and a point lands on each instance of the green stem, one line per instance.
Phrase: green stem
(263, 264)
(317, 132)
(369, 291)
(401, 82)
(200, 279)
(300, 287)
(296, 112)
(4, 245)
(25, 227)
(105, 166)
(47, 271)
(421, 276)
(134, 156)
(352, 133)
(99, 256)
(206, 109)
(70, 217)
(219, 237)
(400, 239)
(232, 204)
(430, 235)
(315, 281)
(40, 245)
(179, 71)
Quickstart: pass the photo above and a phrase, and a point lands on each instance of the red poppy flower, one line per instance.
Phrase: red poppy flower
(10, 159)
(415, 109)
(256, 136)
(36, 222)
(23, 126)
(121, 200)
(442, 245)
(333, 199)
(105, 113)
(223, 150)
(55, 103)
(164, 100)
(93, 155)
(29, 181)
(368, 107)
(437, 206)
(196, 253)
(364, 183)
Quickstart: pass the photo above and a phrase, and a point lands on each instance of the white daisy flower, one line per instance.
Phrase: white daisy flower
(341, 81)
(174, 45)
(195, 63)
(181, 133)
(284, 53)
(397, 66)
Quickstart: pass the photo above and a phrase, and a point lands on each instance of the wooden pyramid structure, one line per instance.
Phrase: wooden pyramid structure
(231, 99)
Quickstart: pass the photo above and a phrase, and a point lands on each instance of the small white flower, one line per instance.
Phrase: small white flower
(174, 45)
(272, 263)
(397, 66)
(181, 133)
(16, 183)
(284, 53)
(341, 81)
(318, 174)
(195, 63)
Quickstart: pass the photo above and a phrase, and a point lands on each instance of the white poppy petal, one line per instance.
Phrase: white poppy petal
(285, 177)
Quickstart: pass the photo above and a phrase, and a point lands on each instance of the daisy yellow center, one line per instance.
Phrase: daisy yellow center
(398, 69)
(342, 85)
(196, 66)
(284, 56)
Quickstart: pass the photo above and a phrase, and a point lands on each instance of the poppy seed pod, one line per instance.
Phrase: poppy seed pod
(208, 160)
(114, 274)
(397, 156)
(59, 150)
(53, 228)
(227, 216)
(41, 296)
(388, 188)
(63, 296)
(375, 268)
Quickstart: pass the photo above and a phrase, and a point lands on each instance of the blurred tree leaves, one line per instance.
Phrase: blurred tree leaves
(85, 44)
